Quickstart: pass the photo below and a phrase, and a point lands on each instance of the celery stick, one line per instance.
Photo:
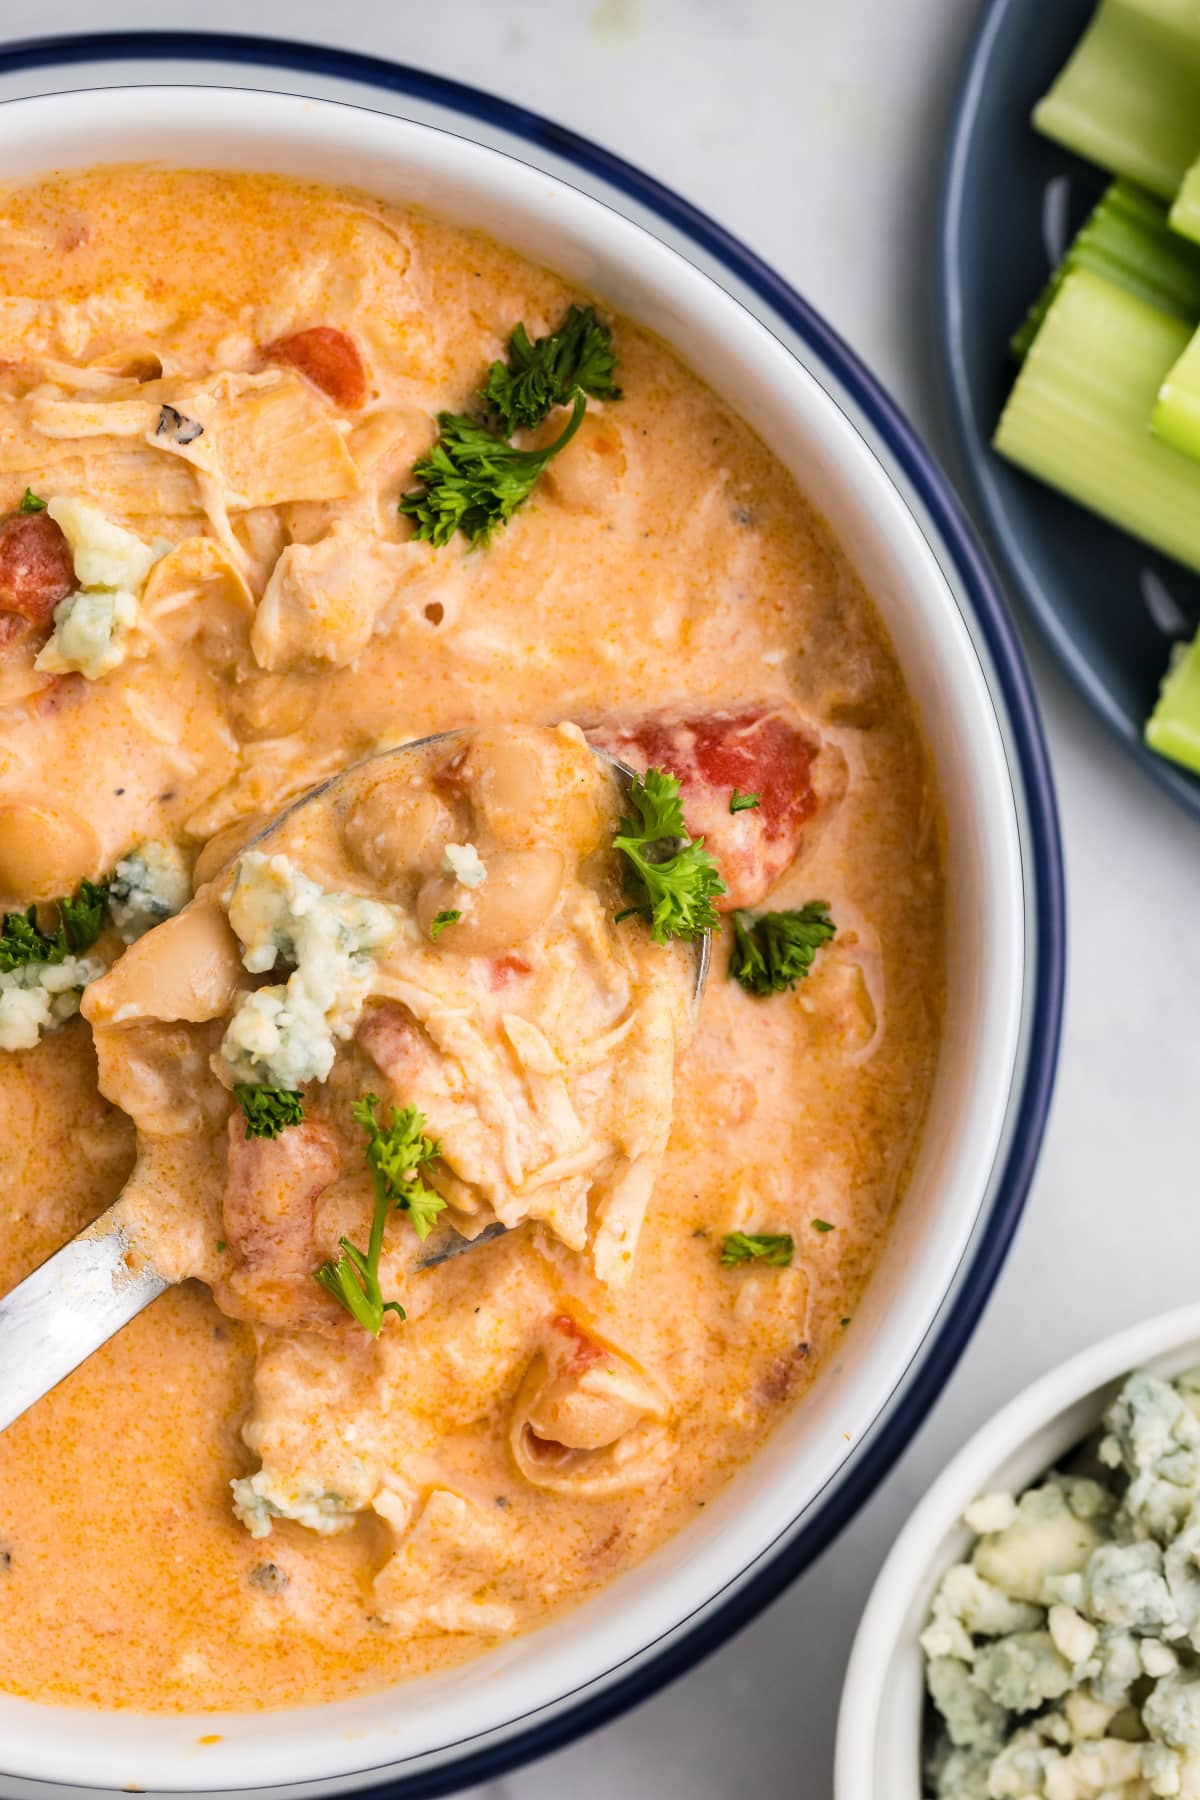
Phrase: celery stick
(1078, 414)
(1129, 98)
(1176, 416)
(1185, 214)
(1173, 728)
(1126, 239)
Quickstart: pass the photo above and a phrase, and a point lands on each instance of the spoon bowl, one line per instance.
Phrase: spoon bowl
(102, 1278)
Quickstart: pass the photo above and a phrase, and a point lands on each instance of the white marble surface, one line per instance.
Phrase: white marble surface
(813, 130)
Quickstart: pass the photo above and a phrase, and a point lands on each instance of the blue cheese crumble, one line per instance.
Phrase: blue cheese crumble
(258, 1500)
(39, 997)
(92, 626)
(464, 862)
(1063, 1659)
(148, 885)
(286, 1034)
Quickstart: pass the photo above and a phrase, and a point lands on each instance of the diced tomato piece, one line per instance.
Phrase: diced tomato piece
(329, 359)
(758, 750)
(36, 570)
(271, 1190)
(578, 1348)
(508, 968)
(392, 1039)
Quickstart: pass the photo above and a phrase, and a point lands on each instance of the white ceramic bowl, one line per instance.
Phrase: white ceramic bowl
(879, 1726)
(431, 1729)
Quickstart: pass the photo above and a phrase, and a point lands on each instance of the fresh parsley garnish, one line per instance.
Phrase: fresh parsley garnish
(775, 1248)
(80, 922)
(549, 371)
(31, 503)
(395, 1156)
(269, 1110)
(474, 481)
(743, 802)
(823, 1225)
(81, 918)
(673, 877)
(21, 942)
(440, 922)
(775, 950)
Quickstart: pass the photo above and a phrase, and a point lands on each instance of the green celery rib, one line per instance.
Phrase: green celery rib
(1126, 239)
(1129, 98)
(1185, 214)
(1173, 728)
(1176, 415)
(1078, 414)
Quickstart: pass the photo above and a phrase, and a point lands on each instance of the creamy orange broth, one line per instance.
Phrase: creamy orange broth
(666, 560)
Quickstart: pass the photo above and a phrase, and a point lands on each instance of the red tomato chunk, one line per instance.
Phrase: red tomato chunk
(755, 749)
(329, 359)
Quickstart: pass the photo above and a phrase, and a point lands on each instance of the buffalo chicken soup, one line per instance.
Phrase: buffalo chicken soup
(498, 1247)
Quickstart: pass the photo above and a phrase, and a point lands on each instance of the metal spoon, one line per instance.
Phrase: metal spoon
(83, 1294)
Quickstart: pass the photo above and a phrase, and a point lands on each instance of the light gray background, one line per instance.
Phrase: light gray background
(813, 129)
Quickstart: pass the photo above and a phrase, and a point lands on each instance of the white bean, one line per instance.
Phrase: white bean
(519, 894)
(44, 852)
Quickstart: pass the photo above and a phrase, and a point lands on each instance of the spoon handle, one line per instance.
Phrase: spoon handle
(54, 1319)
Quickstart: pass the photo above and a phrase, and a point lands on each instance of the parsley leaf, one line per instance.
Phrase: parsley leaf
(22, 942)
(823, 1225)
(774, 951)
(354, 1280)
(550, 371)
(30, 502)
(440, 922)
(395, 1154)
(743, 802)
(673, 877)
(269, 1110)
(80, 922)
(81, 919)
(775, 1249)
(473, 481)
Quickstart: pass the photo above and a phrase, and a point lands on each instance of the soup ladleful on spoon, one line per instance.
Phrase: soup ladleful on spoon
(96, 1283)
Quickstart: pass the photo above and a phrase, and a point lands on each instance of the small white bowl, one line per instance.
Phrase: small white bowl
(879, 1725)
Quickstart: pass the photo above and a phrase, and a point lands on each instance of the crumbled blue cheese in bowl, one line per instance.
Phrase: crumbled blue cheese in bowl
(93, 627)
(1063, 1658)
(286, 1034)
(38, 997)
(151, 883)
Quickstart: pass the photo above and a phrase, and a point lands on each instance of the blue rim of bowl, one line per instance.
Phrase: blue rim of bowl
(936, 1359)
(974, 447)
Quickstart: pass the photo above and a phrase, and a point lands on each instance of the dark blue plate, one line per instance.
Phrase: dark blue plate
(1109, 607)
